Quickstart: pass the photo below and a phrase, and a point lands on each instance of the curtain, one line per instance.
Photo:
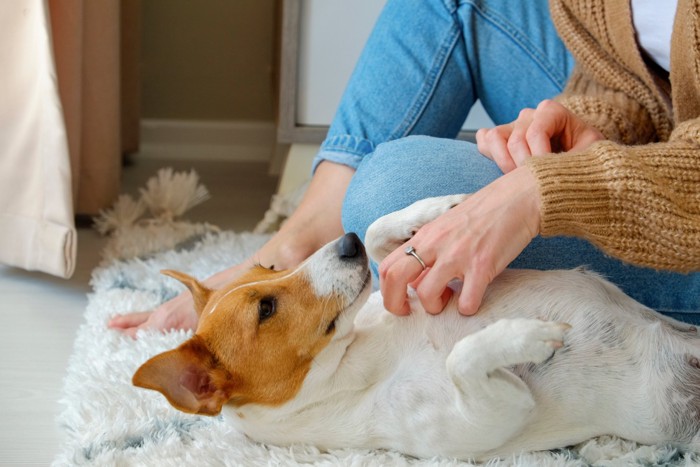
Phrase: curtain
(69, 106)
(86, 39)
(36, 210)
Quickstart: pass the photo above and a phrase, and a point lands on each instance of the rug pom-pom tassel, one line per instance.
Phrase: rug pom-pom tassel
(170, 194)
(124, 214)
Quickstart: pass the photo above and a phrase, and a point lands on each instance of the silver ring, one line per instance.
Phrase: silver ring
(412, 251)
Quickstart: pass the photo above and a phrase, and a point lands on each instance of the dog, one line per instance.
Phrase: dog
(552, 359)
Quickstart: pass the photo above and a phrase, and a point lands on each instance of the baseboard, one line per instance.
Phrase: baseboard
(236, 141)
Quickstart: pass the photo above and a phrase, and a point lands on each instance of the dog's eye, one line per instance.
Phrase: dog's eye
(266, 308)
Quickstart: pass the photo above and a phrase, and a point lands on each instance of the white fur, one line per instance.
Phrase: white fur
(493, 384)
(105, 420)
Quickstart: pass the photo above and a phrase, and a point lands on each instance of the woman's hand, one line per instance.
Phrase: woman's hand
(472, 242)
(177, 313)
(548, 128)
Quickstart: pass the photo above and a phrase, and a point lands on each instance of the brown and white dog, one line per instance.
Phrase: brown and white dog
(302, 356)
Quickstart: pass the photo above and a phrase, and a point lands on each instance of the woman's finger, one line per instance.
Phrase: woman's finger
(129, 320)
(549, 121)
(517, 142)
(492, 144)
(473, 290)
(432, 289)
(395, 277)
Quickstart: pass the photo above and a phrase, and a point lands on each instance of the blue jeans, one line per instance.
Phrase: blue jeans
(424, 66)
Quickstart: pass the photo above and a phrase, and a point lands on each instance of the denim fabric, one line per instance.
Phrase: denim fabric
(423, 67)
(403, 171)
(427, 61)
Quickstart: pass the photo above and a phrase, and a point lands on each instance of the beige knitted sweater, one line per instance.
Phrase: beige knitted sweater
(636, 195)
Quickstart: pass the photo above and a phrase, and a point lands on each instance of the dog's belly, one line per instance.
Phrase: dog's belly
(618, 357)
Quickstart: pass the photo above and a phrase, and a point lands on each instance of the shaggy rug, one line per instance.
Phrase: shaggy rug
(108, 422)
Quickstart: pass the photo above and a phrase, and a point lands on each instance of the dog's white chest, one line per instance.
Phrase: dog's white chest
(412, 407)
(391, 390)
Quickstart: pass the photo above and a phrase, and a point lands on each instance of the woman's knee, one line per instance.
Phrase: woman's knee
(401, 172)
(373, 191)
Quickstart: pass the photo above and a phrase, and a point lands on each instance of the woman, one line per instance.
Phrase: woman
(626, 136)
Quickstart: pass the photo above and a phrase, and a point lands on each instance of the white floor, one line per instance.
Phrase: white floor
(40, 314)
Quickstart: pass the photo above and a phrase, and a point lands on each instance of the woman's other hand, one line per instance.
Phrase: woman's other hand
(548, 128)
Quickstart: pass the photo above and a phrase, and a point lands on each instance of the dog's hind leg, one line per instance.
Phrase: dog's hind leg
(495, 401)
(679, 405)
(393, 230)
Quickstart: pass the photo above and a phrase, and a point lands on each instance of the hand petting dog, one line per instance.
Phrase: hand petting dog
(476, 240)
(473, 242)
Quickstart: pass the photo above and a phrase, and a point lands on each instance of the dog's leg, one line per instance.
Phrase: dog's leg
(494, 400)
(393, 230)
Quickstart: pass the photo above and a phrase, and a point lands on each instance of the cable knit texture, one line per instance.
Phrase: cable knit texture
(637, 195)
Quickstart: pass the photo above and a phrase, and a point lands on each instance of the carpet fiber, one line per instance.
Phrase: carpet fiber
(109, 422)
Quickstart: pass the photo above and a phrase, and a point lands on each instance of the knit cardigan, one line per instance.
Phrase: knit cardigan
(635, 195)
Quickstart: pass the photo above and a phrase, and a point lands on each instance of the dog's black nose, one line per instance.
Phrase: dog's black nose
(350, 246)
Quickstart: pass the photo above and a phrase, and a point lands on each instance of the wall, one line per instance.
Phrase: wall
(208, 60)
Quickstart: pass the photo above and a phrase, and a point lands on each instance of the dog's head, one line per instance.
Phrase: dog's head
(258, 336)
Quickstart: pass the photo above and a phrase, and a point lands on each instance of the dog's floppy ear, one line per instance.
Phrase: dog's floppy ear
(200, 293)
(189, 377)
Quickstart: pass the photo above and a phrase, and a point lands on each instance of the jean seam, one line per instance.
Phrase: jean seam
(340, 157)
(344, 149)
(338, 143)
(450, 6)
(429, 86)
(519, 39)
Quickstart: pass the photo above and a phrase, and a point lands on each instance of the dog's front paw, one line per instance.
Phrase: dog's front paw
(535, 340)
(508, 342)
(393, 230)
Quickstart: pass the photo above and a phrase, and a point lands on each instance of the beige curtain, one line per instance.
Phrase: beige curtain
(36, 209)
(62, 92)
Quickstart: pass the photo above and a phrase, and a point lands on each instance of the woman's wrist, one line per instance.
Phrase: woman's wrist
(527, 189)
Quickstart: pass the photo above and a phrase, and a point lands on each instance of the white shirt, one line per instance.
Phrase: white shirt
(653, 22)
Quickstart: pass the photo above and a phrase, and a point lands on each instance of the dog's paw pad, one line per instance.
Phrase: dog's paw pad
(541, 338)
(555, 344)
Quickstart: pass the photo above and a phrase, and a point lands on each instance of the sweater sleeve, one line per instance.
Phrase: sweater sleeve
(637, 203)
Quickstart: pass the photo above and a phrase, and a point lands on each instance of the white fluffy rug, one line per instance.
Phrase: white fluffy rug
(108, 422)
